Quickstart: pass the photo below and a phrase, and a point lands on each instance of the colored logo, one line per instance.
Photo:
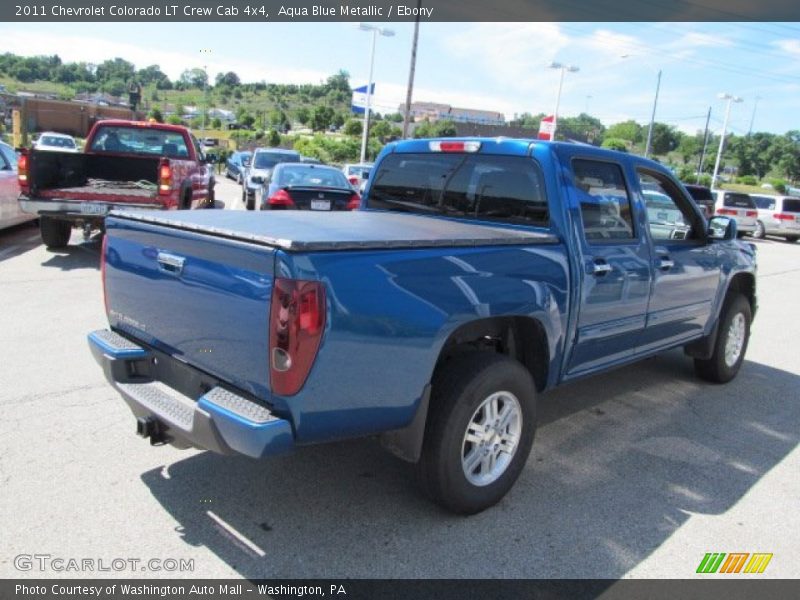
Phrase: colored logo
(734, 562)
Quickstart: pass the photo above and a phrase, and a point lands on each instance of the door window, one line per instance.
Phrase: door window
(604, 200)
(669, 214)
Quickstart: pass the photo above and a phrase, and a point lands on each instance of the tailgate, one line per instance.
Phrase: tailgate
(202, 299)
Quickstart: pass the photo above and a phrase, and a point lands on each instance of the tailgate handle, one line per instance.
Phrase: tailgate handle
(170, 263)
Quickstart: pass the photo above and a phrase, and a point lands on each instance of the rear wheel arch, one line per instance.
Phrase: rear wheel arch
(521, 338)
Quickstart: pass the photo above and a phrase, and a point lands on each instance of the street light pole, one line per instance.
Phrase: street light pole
(375, 31)
(564, 69)
(206, 52)
(730, 98)
(649, 144)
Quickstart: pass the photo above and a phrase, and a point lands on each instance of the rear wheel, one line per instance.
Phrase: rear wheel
(55, 232)
(759, 233)
(479, 432)
(730, 346)
(792, 238)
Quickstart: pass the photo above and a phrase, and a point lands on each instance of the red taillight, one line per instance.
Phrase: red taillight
(354, 180)
(751, 213)
(726, 211)
(103, 270)
(22, 170)
(783, 217)
(354, 203)
(296, 323)
(164, 177)
(281, 198)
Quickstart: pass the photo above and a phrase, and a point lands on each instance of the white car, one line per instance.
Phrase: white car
(738, 205)
(59, 142)
(357, 174)
(778, 215)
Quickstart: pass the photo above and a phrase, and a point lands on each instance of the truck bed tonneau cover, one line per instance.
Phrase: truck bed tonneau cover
(307, 231)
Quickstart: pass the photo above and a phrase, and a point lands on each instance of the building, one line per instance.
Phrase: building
(433, 111)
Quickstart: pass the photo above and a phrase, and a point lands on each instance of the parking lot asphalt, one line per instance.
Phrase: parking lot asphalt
(635, 473)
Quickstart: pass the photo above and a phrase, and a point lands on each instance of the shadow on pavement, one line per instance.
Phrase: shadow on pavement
(19, 239)
(620, 462)
(84, 255)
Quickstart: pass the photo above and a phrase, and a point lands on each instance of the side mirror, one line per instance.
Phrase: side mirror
(365, 175)
(722, 228)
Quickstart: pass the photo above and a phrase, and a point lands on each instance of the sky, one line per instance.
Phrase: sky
(501, 67)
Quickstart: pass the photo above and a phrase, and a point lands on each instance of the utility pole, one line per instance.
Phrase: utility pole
(705, 145)
(649, 144)
(753, 116)
(730, 98)
(407, 114)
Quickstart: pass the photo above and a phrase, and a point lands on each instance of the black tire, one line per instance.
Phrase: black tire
(792, 238)
(716, 369)
(55, 232)
(760, 232)
(459, 389)
(249, 200)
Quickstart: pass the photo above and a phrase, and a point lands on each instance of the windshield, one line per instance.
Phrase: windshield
(140, 140)
(311, 176)
(738, 200)
(267, 160)
(357, 171)
(488, 187)
(59, 142)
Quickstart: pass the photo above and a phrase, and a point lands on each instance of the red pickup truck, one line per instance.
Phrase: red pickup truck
(125, 165)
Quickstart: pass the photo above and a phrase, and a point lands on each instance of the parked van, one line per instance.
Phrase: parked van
(738, 205)
(778, 215)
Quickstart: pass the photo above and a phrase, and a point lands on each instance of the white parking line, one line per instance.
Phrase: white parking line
(229, 528)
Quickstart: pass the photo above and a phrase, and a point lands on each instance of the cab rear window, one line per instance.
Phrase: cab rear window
(507, 189)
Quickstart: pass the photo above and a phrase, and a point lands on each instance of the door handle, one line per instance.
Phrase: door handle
(170, 263)
(665, 263)
(601, 268)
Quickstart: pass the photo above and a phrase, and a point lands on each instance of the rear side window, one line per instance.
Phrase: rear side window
(604, 200)
(508, 189)
(764, 203)
(791, 205)
(738, 200)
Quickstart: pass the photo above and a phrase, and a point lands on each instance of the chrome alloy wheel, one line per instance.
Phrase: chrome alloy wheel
(735, 341)
(491, 438)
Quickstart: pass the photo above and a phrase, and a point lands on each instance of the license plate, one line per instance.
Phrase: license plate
(320, 205)
(88, 208)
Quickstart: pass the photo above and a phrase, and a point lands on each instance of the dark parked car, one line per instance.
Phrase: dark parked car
(236, 165)
(307, 187)
(702, 197)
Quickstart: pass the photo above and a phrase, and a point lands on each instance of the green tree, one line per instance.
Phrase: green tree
(353, 127)
(274, 138)
(665, 138)
(216, 123)
(194, 78)
(630, 131)
(321, 118)
(230, 78)
(340, 81)
(615, 144)
(155, 113)
(303, 115)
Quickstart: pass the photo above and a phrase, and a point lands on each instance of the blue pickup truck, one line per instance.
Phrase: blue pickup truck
(477, 274)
